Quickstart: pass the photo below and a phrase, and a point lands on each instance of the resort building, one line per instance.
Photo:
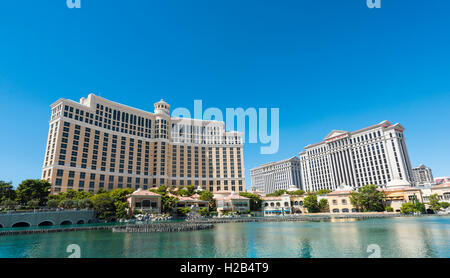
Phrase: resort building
(297, 204)
(339, 200)
(399, 192)
(145, 201)
(372, 155)
(193, 202)
(442, 191)
(277, 175)
(98, 143)
(232, 203)
(422, 175)
(279, 205)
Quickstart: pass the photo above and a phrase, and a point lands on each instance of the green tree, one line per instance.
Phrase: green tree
(445, 204)
(204, 211)
(255, 200)
(183, 211)
(84, 203)
(168, 203)
(33, 204)
(277, 193)
(368, 198)
(33, 190)
(103, 205)
(183, 192)
(323, 192)
(53, 203)
(7, 191)
(323, 205)
(190, 189)
(9, 204)
(434, 203)
(208, 196)
(411, 207)
(119, 196)
(311, 204)
(68, 204)
(296, 193)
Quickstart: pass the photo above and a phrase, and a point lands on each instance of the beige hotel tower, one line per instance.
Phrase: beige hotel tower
(97, 143)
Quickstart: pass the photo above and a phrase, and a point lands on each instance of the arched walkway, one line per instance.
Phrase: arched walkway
(21, 224)
(46, 223)
(1, 226)
(66, 222)
(81, 221)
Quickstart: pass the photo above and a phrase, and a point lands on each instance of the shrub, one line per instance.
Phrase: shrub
(389, 209)
(183, 211)
(52, 203)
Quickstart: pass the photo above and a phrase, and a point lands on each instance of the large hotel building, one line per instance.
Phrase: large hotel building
(372, 155)
(97, 143)
(278, 175)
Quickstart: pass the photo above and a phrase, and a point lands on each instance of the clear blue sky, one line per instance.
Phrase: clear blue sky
(325, 64)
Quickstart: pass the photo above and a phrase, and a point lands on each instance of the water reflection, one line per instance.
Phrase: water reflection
(396, 237)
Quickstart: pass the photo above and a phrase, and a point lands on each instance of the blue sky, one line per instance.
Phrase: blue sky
(325, 64)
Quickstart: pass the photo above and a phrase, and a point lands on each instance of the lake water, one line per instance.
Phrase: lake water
(427, 236)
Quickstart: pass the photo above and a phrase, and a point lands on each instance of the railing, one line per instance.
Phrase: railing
(42, 210)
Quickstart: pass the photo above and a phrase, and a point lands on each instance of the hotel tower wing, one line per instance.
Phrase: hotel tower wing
(372, 155)
(98, 143)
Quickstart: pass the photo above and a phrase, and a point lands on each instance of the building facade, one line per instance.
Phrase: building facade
(422, 175)
(372, 155)
(98, 143)
(279, 205)
(277, 175)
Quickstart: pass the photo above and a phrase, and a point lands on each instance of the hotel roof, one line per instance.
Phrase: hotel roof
(336, 133)
(441, 186)
(275, 163)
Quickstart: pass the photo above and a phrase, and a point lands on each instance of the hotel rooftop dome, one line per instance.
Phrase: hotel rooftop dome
(162, 107)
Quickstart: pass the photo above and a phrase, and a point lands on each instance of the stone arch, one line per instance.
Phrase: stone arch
(21, 224)
(66, 222)
(47, 223)
(81, 221)
(1, 225)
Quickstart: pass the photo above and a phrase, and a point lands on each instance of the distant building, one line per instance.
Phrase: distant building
(441, 180)
(372, 155)
(278, 175)
(422, 175)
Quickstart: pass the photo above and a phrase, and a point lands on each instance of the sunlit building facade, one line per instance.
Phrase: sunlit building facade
(97, 143)
(372, 155)
(423, 175)
(278, 175)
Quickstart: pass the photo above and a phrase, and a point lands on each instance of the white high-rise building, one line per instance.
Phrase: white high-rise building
(423, 175)
(277, 175)
(372, 155)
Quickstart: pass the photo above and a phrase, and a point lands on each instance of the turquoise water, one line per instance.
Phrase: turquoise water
(390, 237)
